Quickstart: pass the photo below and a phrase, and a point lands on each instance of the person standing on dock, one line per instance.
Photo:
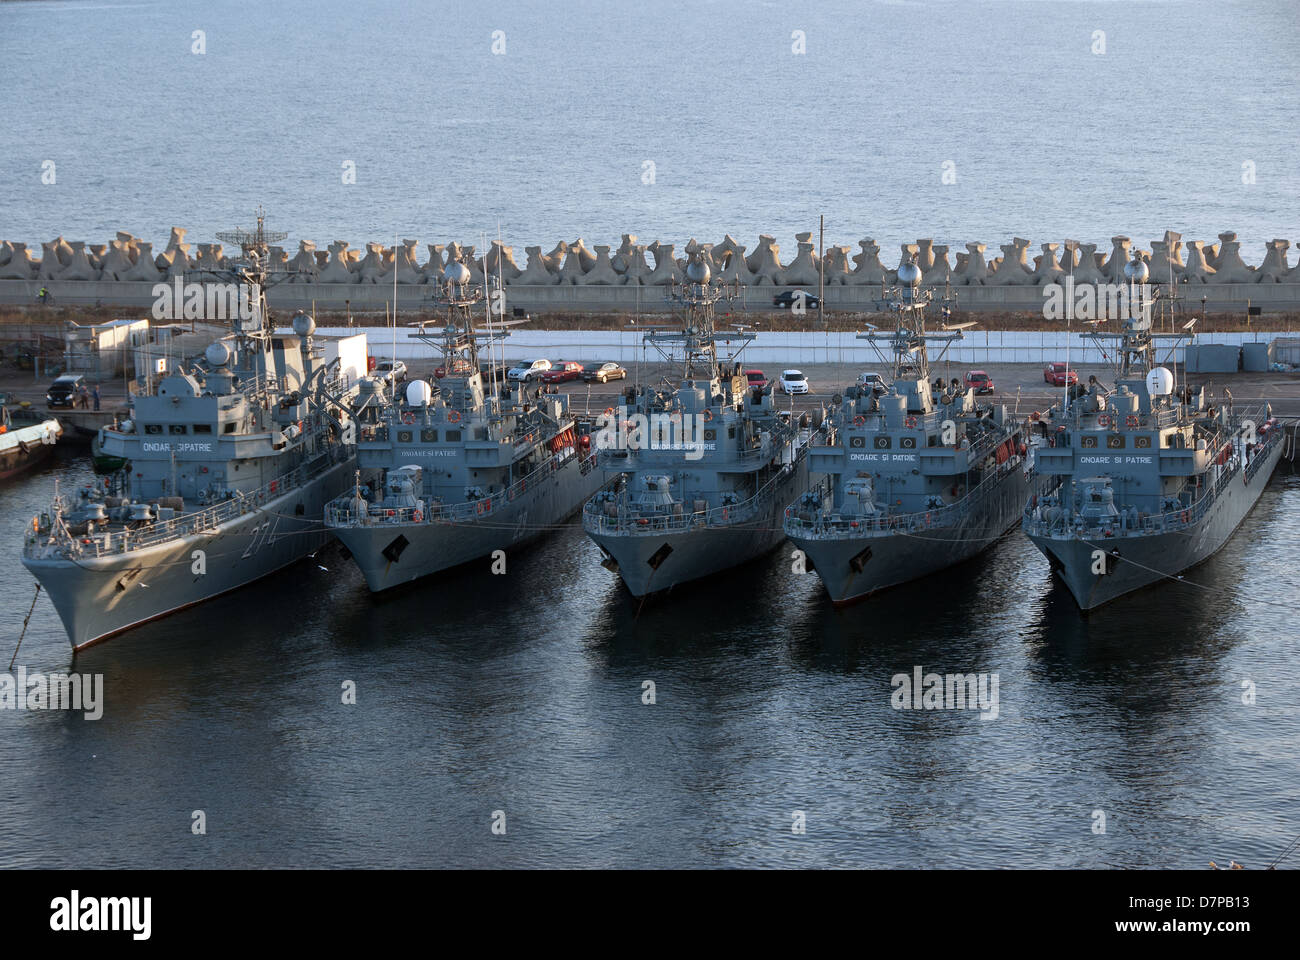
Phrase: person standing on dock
(95, 396)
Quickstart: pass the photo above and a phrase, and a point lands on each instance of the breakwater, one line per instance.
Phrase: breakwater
(573, 276)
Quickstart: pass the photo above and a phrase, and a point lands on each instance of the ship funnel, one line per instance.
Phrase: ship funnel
(1160, 382)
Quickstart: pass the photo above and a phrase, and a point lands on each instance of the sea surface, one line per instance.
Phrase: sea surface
(523, 693)
(1043, 135)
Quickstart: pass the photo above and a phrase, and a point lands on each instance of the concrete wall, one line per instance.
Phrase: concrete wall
(1233, 297)
(784, 348)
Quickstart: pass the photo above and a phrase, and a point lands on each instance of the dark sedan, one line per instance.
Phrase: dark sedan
(603, 372)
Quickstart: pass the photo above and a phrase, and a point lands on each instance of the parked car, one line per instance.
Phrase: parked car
(789, 298)
(603, 372)
(393, 371)
(792, 382)
(527, 370)
(874, 381)
(1060, 375)
(756, 378)
(562, 372)
(64, 390)
(980, 381)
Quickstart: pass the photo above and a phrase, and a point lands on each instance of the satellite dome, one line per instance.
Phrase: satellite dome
(909, 274)
(218, 354)
(456, 272)
(418, 393)
(303, 325)
(697, 271)
(1160, 382)
(1136, 271)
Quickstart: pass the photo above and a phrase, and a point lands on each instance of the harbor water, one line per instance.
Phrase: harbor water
(524, 693)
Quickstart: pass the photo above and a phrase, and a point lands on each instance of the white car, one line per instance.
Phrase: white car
(873, 382)
(792, 382)
(526, 370)
(394, 371)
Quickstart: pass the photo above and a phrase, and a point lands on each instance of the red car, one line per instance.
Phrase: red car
(568, 370)
(980, 381)
(756, 378)
(1059, 375)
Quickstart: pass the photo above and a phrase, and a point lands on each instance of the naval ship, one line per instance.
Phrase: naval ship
(1151, 480)
(231, 460)
(702, 469)
(914, 476)
(464, 472)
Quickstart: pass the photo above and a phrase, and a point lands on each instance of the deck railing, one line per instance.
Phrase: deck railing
(627, 518)
(1124, 524)
(339, 513)
(832, 525)
(160, 531)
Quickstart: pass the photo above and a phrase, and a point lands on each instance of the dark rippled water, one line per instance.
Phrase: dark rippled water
(522, 693)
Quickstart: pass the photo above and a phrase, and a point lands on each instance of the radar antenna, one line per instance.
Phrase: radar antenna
(251, 268)
(698, 338)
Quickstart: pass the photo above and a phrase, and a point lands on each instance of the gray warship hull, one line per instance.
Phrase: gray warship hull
(1145, 559)
(853, 568)
(98, 597)
(652, 560)
(392, 554)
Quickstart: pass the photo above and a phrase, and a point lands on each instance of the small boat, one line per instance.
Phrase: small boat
(25, 438)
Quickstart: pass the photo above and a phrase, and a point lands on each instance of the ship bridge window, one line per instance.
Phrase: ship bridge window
(153, 428)
(404, 436)
(1142, 442)
(201, 428)
(428, 436)
(1115, 441)
(176, 428)
(230, 427)
(1087, 441)
(452, 436)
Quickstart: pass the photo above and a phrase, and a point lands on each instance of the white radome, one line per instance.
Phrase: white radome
(418, 393)
(1160, 382)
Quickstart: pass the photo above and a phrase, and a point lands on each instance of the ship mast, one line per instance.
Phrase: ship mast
(698, 337)
(1135, 353)
(458, 340)
(252, 269)
(908, 339)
